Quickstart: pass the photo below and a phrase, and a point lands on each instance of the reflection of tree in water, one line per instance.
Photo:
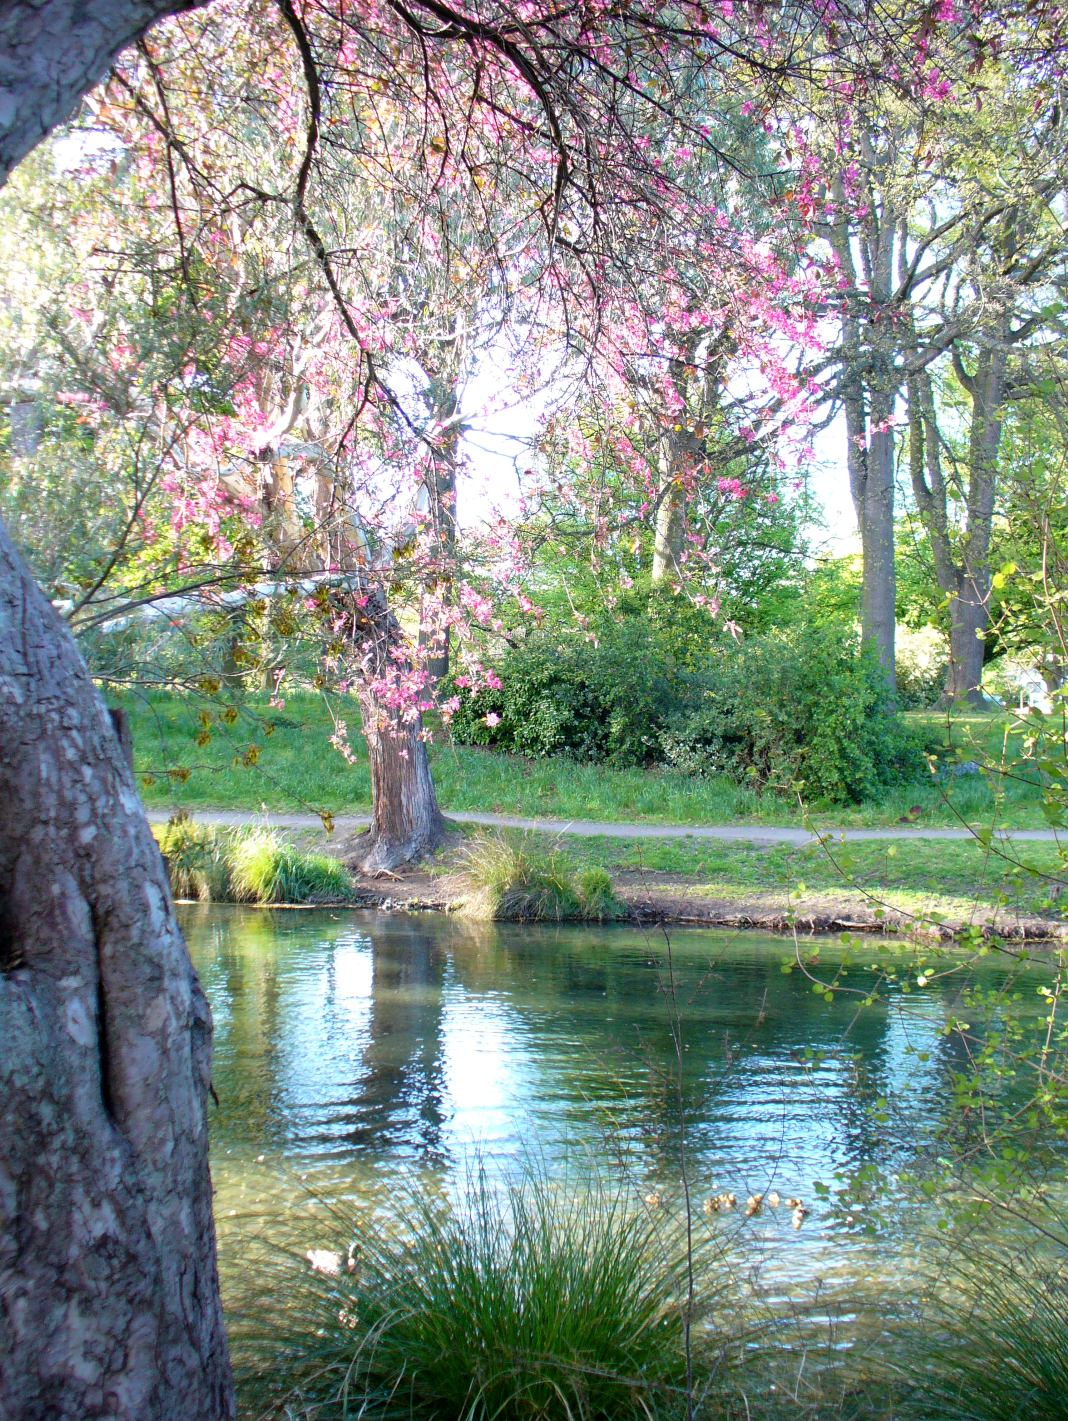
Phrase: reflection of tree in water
(380, 1090)
(998, 1003)
(242, 981)
(896, 1050)
(399, 1103)
(747, 1092)
(340, 1035)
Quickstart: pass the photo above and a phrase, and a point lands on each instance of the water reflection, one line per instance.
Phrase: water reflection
(349, 1046)
(369, 1040)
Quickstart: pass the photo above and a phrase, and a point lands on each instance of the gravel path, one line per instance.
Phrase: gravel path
(591, 828)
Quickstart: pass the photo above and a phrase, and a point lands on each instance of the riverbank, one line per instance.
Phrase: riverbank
(937, 887)
(750, 887)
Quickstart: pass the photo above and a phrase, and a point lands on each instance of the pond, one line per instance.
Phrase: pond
(352, 1048)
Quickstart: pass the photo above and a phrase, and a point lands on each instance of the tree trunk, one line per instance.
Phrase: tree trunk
(406, 823)
(964, 677)
(109, 1298)
(52, 53)
(871, 383)
(970, 610)
(671, 515)
(879, 616)
(120, 723)
(109, 1302)
(434, 634)
(871, 479)
(967, 615)
(966, 582)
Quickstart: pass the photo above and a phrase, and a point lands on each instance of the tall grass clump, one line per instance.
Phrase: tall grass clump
(264, 869)
(529, 1305)
(196, 860)
(1002, 1355)
(594, 887)
(516, 880)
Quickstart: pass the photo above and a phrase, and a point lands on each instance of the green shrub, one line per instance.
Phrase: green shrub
(263, 869)
(796, 710)
(598, 897)
(254, 868)
(516, 880)
(922, 663)
(601, 699)
(196, 860)
(793, 708)
(532, 1305)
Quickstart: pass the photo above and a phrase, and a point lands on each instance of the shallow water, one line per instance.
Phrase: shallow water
(352, 1047)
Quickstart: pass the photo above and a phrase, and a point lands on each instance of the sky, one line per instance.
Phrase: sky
(830, 485)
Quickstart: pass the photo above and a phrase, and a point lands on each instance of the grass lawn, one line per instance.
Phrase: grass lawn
(294, 767)
(912, 875)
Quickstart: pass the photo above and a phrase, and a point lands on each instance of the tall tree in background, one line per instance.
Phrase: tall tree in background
(869, 378)
(999, 302)
(938, 209)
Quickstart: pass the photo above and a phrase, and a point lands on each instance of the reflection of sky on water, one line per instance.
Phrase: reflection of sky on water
(354, 1044)
(384, 1042)
(491, 1073)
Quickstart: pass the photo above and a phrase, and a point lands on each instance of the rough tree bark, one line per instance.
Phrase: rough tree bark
(406, 822)
(52, 52)
(109, 1302)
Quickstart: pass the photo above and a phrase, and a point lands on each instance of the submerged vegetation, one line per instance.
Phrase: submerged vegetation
(256, 866)
(541, 1302)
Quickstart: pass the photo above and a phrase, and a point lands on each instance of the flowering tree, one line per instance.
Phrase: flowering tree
(343, 474)
(107, 1260)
